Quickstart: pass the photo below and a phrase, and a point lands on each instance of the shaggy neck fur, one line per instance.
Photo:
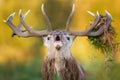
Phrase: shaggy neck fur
(62, 63)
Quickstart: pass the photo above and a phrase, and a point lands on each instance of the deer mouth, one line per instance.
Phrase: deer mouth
(58, 43)
(57, 38)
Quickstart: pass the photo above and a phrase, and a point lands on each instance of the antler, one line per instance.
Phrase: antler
(20, 24)
(30, 32)
(69, 18)
(46, 18)
(102, 22)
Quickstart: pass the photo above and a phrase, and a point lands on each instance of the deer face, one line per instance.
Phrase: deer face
(58, 39)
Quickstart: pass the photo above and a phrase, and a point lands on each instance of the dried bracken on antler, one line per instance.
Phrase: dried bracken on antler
(100, 40)
(88, 31)
(105, 40)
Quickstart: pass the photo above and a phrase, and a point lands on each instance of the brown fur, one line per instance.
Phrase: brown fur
(71, 71)
(48, 69)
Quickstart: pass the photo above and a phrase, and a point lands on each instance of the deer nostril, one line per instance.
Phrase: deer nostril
(48, 38)
(57, 38)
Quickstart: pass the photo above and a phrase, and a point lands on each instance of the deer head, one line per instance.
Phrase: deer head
(59, 42)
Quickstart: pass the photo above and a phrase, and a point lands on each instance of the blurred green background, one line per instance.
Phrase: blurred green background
(21, 58)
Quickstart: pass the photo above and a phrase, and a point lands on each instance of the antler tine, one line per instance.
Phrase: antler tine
(108, 19)
(69, 18)
(13, 27)
(98, 22)
(10, 17)
(21, 33)
(31, 31)
(46, 18)
(108, 15)
(24, 24)
(105, 26)
(85, 32)
(97, 19)
(91, 13)
(20, 24)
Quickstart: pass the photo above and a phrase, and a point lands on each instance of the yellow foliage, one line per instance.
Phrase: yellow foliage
(81, 48)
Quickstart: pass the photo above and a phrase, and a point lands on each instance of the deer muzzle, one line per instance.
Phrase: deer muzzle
(58, 42)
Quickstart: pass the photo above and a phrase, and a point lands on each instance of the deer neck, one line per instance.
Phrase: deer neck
(59, 54)
(60, 57)
(63, 53)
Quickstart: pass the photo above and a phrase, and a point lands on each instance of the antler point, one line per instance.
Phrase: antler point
(107, 13)
(42, 6)
(91, 13)
(20, 10)
(26, 13)
(98, 13)
(11, 16)
(73, 7)
(20, 13)
(4, 21)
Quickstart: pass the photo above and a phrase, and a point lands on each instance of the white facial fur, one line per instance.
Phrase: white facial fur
(65, 41)
(58, 48)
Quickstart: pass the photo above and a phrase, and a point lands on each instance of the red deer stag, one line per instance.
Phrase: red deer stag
(59, 59)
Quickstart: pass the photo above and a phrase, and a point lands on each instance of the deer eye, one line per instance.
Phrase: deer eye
(68, 38)
(48, 38)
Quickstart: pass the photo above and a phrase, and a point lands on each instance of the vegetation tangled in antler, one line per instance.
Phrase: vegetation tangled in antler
(105, 40)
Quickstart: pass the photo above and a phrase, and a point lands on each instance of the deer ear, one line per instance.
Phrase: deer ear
(44, 38)
(73, 37)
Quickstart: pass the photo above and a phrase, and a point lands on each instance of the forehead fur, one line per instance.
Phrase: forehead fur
(58, 32)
